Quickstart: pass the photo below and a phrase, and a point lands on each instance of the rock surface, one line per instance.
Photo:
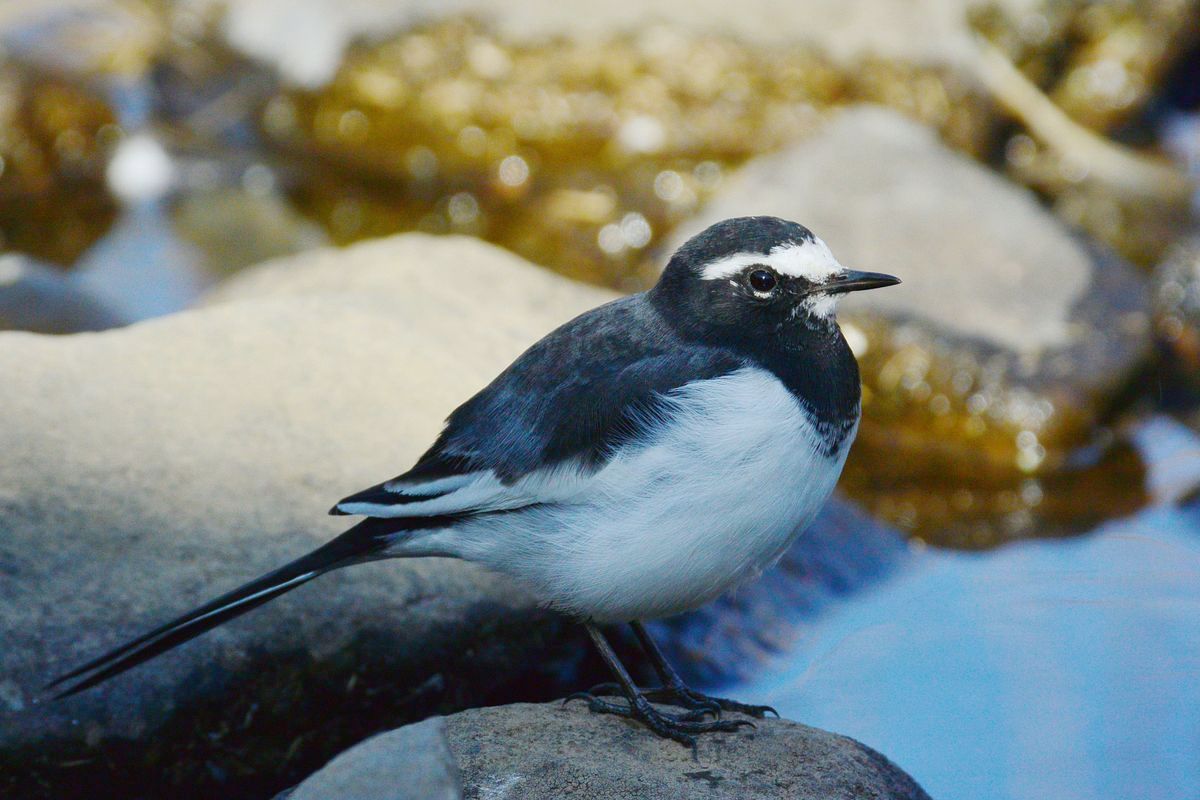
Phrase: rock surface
(145, 470)
(409, 763)
(440, 277)
(578, 137)
(1008, 340)
(174, 459)
(927, 31)
(547, 752)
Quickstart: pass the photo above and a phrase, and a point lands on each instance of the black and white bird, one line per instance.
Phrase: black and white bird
(637, 462)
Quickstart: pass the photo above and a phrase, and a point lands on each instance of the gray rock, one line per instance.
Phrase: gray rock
(418, 273)
(39, 299)
(146, 469)
(926, 32)
(979, 257)
(410, 763)
(551, 751)
(1005, 346)
(1177, 310)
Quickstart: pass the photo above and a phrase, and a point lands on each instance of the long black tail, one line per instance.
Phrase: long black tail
(361, 543)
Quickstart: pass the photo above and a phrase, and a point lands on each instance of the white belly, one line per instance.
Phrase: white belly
(711, 500)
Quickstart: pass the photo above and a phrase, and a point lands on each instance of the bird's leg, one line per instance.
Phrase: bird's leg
(681, 728)
(676, 692)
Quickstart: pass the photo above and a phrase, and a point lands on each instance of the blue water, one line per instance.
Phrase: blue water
(142, 268)
(1046, 670)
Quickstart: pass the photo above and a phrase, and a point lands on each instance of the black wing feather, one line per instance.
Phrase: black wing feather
(579, 394)
(354, 546)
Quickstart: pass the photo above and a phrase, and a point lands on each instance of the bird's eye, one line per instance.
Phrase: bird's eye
(762, 280)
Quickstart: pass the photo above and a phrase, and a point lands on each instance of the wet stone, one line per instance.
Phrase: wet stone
(149, 468)
(1139, 222)
(927, 32)
(1177, 313)
(988, 374)
(575, 152)
(1102, 64)
(409, 763)
(578, 139)
(551, 751)
(53, 139)
(1121, 52)
(1102, 61)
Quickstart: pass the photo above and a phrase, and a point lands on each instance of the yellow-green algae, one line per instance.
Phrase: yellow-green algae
(581, 155)
(964, 448)
(1177, 310)
(568, 152)
(53, 136)
(1100, 62)
(577, 155)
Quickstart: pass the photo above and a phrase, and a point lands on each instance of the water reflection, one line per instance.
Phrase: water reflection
(1045, 669)
(142, 268)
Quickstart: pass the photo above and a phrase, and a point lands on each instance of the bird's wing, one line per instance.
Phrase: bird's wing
(548, 422)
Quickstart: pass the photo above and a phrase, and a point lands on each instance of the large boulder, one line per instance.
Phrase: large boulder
(547, 752)
(574, 135)
(146, 469)
(305, 40)
(997, 358)
(409, 763)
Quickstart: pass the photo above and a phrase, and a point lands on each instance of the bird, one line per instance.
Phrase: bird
(635, 463)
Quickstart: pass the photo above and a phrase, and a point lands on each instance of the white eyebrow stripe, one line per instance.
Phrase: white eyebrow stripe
(812, 260)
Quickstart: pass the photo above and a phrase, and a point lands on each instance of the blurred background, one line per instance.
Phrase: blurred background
(1031, 397)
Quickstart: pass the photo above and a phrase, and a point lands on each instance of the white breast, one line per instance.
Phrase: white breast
(711, 499)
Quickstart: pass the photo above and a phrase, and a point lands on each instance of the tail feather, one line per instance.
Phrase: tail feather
(360, 543)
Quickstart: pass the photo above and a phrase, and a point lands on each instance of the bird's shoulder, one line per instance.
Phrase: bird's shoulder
(575, 396)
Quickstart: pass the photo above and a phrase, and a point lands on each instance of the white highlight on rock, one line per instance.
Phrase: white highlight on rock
(641, 134)
(11, 269)
(810, 260)
(140, 169)
(305, 39)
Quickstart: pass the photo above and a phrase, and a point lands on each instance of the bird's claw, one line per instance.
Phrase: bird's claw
(681, 728)
(697, 704)
(689, 698)
(685, 697)
(749, 709)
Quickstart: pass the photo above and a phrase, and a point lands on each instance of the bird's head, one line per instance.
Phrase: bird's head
(759, 273)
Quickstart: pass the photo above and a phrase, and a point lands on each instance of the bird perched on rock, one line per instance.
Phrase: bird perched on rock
(635, 463)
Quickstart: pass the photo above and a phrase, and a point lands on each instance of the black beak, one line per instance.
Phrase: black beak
(855, 281)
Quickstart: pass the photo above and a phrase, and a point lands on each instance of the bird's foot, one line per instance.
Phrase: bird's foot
(685, 697)
(679, 727)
